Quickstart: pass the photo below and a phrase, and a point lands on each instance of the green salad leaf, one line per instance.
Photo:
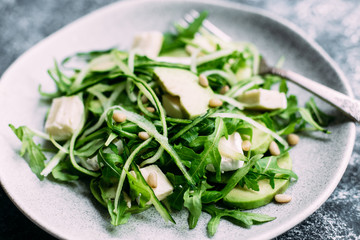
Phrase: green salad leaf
(173, 41)
(245, 219)
(36, 156)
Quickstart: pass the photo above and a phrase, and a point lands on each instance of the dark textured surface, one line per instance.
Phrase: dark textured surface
(334, 24)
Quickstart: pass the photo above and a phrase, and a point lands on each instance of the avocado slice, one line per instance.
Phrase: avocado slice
(245, 198)
(194, 99)
(172, 106)
(260, 141)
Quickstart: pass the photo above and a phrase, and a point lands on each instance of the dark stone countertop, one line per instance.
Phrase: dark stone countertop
(334, 24)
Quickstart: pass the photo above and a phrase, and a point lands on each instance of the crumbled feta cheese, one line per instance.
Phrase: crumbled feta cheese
(92, 164)
(233, 143)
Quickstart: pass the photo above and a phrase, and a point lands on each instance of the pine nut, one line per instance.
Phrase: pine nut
(119, 117)
(274, 149)
(246, 145)
(150, 109)
(203, 81)
(144, 99)
(152, 180)
(292, 139)
(282, 198)
(215, 102)
(143, 135)
(224, 89)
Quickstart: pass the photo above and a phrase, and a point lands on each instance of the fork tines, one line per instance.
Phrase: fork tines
(207, 25)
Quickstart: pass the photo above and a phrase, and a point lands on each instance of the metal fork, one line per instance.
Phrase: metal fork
(349, 106)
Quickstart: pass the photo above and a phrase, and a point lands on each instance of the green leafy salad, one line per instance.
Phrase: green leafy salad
(181, 120)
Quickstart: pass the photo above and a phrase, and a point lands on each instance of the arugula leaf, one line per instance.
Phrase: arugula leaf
(64, 171)
(96, 191)
(251, 181)
(194, 26)
(138, 185)
(176, 199)
(192, 201)
(245, 219)
(186, 154)
(191, 126)
(87, 56)
(90, 148)
(112, 160)
(233, 124)
(61, 81)
(290, 128)
(109, 163)
(214, 196)
(291, 109)
(283, 86)
(213, 224)
(306, 115)
(173, 41)
(48, 95)
(269, 123)
(322, 118)
(270, 80)
(190, 135)
(210, 154)
(36, 156)
(268, 168)
(121, 216)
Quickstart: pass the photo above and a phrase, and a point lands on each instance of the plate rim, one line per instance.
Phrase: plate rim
(227, 4)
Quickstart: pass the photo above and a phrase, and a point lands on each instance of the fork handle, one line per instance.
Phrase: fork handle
(346, 104)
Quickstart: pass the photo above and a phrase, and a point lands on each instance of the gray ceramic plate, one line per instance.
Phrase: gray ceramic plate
(68, 211)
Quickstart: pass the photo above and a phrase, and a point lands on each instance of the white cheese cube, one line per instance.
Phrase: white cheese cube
(262, 99)
(164, 187)
(227, 148)
(64, 117)
(148, 43)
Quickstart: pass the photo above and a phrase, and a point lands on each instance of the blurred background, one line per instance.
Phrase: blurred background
(334, 24)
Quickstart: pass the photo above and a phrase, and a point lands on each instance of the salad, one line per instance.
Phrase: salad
(181, 120)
